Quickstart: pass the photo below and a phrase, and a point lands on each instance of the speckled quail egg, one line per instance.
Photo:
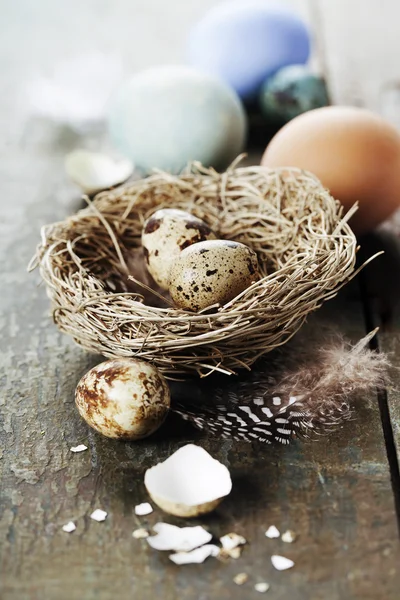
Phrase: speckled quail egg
(165, 234)
(211, 272)
(123, 398)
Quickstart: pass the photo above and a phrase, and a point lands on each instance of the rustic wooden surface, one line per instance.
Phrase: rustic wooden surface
(336, 494)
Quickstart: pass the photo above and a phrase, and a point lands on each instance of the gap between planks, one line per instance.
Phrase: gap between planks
(382, 396)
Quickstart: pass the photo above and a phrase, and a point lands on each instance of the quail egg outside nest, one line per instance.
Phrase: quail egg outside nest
(123, 398)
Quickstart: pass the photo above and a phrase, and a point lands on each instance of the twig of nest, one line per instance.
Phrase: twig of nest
(102, 295)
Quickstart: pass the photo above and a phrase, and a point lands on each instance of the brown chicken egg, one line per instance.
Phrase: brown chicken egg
(354, 152)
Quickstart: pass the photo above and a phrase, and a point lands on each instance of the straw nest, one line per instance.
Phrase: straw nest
(102, 296)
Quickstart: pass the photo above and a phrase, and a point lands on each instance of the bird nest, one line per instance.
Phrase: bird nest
(101, 294)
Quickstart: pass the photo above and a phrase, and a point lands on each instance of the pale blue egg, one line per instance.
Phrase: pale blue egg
(166, 116)
(245, 42)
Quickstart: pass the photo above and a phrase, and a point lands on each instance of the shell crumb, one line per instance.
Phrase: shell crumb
(234, 553)
(98, 515)
(80, 448)
(69, 527)
(232, 540)
(240, 578)
(272, 532)
(262, 587)
(179, 539)
(281, 563)
(143, 509)
(289, 536)
(140, 534)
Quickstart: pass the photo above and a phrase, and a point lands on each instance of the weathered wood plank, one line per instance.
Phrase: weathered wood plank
(360, 43)
(335, 494)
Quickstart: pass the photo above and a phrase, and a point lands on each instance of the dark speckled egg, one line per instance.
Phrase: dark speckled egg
(212, 272)
(290, 92)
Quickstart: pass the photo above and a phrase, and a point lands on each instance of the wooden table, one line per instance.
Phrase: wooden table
(341, 496)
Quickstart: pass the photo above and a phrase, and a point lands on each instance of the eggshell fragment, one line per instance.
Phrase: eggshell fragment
(262, 587)
(98, 515)
(198, 555)
(143, 509)
(189, 483)
(180, 539)
(123, 398)
(232, 540)
(240, 578)
(281, 563)
(288, 537)
(165, 234)
(272, 532)
(93, 171)
(140, 534)
(80, 448)
(69, 527)
(212, 272)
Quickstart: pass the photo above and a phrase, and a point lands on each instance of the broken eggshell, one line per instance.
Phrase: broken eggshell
(196, 556)
(189, 483)
(93, 171)
(179, 539)
(123, 398)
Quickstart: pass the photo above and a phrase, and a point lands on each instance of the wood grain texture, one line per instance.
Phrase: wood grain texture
(335, 493)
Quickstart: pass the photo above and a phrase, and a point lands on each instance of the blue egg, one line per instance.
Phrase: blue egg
(165, 117)
(292, 91)
(245, 42)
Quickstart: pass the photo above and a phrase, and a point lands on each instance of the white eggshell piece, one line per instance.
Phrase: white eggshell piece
(165, 234)
(281, 563)
(272, 532)
(288, 537)
(143, 509)
(140, 534)
(123, 398)
(212, 272)
(80, 448)
(232, 540)
(98, 515)
(188, 479)
(195, 556)
(69, 527)
(240, 578)
(93, 171)
(262, 587)
(180, 539)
